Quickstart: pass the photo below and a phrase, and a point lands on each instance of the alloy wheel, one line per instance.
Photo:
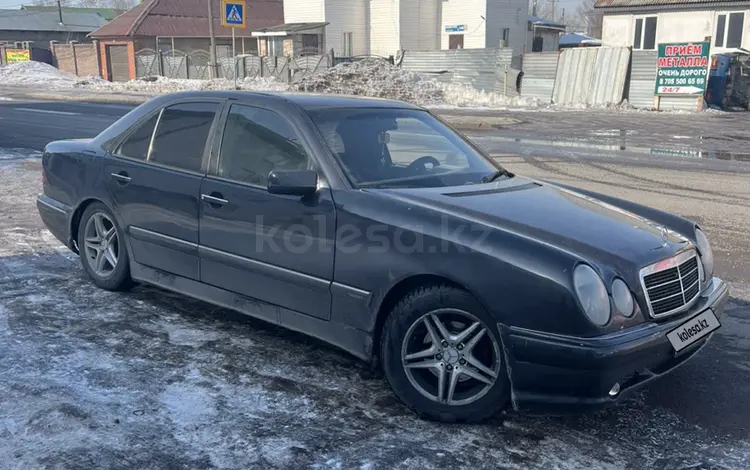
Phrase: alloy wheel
(451, 357)
(101, 244)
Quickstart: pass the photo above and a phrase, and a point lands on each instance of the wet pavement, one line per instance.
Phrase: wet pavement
(153, 380)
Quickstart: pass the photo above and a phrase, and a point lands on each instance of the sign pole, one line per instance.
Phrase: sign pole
(213, 63)
(234, 57)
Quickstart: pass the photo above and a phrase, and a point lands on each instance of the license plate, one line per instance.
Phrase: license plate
(693, 330)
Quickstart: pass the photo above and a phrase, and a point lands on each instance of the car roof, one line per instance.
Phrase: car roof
(306, 101)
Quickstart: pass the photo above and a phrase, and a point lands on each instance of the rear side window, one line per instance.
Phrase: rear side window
(136, 146)
(181, 135)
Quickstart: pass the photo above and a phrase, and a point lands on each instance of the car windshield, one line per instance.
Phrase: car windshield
(401, 148)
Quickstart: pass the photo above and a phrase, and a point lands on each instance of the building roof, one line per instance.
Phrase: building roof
(574, 39)
(656, 4)
(187, 18)
(22, 20)
(539, 21)
(107, 13)
(288, 28)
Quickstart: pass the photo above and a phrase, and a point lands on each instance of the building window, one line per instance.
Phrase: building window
(729, 28)
(645, 33)
(276, 46)
(506, 37)
(310, 45)
(348, 49)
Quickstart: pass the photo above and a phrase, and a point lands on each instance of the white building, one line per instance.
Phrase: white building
(383, 27)
(643, 24)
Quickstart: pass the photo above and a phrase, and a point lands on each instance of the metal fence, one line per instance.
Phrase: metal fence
(195, 65)
(539, 72)
(640, 92)
(483, 69)
(591, 76)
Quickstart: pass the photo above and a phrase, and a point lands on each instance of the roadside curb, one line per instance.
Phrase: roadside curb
(90, 98)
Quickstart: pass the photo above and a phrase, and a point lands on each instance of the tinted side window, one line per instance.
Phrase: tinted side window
(181, 135)
(136, 146)
(257, 142)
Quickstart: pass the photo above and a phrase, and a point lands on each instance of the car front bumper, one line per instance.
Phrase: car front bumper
(559, 374)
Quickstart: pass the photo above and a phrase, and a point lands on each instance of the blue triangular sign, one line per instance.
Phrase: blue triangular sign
(234, 15)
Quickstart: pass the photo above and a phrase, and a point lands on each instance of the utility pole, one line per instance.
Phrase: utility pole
(553, 8)
(59, 11)
(533, 8)
(213, 64)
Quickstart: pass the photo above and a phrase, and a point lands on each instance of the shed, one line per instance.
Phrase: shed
(543, 34)
(171, 37)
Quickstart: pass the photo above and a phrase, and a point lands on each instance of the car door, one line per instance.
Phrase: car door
(154, 180)
(275, 248)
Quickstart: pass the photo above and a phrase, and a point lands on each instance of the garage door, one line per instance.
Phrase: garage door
(117, 56)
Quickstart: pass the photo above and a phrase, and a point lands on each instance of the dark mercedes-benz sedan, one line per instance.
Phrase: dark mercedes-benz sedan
(374, 226)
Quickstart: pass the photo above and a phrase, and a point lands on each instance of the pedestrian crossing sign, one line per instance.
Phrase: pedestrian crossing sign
(233, 13)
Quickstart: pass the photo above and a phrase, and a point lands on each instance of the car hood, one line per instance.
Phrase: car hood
(560, 217)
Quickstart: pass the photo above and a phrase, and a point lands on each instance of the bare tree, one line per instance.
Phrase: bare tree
(51, 3)
(117, 4)
(586, 19)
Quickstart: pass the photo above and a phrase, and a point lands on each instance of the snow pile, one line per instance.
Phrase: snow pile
(39, 74)
(460, 95)
(171, 85)
(374, 78)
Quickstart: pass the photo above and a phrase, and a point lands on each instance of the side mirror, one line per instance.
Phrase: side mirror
(293, 182)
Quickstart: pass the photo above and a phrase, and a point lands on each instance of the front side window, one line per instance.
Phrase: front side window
(181, 135)
(645, 33)
(400, 148)
(256, 142)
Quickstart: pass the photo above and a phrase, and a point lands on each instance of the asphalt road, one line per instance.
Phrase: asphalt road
(149, 379)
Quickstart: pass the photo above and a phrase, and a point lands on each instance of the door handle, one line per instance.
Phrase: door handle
(122, 178)
(214, 199)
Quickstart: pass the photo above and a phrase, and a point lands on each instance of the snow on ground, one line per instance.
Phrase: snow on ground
(32, 74)
(370, 77)
(149, 379)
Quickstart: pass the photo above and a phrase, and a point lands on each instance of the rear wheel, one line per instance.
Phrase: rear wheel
(102, 248)
(443, 357)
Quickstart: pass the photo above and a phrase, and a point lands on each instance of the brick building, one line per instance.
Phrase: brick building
(163, 29)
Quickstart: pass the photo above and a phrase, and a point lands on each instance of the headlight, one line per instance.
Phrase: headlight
(623, 298)
(707, 256)
(592, 294)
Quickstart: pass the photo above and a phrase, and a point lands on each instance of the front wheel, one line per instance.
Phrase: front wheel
(443, 357)
(102, 248)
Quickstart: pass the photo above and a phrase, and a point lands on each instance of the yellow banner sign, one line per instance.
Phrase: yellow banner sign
(17, 55)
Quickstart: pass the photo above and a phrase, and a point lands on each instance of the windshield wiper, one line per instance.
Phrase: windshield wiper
(497, 174)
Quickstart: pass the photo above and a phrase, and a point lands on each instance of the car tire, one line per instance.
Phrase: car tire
(414, 366)
(96, 257)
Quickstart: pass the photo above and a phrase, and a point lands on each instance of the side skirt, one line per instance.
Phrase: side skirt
(354, 341)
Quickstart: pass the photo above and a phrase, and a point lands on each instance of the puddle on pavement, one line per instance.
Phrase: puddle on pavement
(624, 146)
